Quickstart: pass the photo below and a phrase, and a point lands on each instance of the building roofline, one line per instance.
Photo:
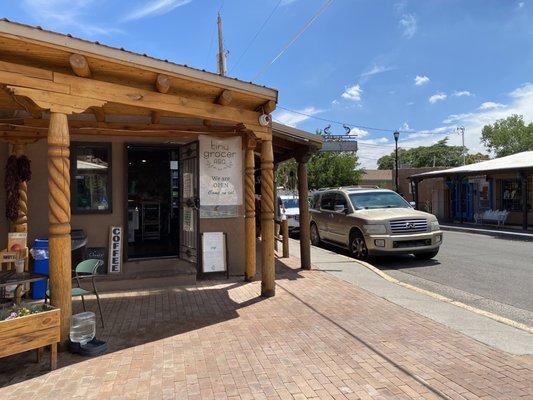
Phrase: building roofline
(71, 43)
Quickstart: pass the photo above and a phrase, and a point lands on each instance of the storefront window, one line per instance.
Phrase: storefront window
(91, 178)
(511, 195)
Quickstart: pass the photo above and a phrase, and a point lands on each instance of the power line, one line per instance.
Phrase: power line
(352, 125)
(256, 35)
(295, 38)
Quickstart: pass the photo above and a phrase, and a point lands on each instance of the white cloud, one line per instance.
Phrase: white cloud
(64, 15)
(421, 80)
(521, 103)
(294, 118)
(376, 69)
(409, 25)
(335, 102)
(375, 141)
(437, 97)
(405, 127)
(352, 93)
(490, 105)
(462, 93)
(155, 7)
(361, 133)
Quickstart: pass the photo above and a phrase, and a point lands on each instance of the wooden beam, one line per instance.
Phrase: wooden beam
(79, 65)
(268, 271)
(99, 113)
(225, 98)
(162, 83)
(80, 93)
(59, 219)
(268, 107)
(31, 124)
(33, 109)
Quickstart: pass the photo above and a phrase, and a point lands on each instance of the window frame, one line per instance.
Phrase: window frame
(74, 147)
(325, 197)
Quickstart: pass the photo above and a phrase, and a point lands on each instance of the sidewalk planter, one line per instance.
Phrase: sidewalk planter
(30, 332)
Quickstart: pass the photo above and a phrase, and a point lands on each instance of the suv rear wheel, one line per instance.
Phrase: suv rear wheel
(357, 246)
(315, 236)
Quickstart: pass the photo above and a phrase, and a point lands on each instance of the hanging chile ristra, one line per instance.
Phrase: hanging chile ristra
(17, 170)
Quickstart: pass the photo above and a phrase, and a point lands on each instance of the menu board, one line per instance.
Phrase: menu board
(213, 252)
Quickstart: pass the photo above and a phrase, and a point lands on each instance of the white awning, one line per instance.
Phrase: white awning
(515, 162)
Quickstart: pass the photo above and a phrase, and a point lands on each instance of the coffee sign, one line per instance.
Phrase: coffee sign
(115, 250)
(220, 171)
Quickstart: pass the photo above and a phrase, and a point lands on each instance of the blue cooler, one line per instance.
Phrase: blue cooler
(40, 266)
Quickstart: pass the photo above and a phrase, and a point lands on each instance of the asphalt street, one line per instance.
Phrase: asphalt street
(491, 273)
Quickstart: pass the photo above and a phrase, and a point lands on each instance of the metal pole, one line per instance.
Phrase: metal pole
(461, 131)
(396, 136)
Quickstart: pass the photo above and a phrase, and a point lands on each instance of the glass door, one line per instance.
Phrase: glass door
(189, 202)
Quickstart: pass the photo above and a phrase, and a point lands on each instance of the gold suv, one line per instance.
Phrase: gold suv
(373, 222)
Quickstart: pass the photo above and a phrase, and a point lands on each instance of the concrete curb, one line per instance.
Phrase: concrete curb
(445, 299)
(506, 234)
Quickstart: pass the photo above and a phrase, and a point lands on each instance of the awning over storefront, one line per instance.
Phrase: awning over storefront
(515, 162)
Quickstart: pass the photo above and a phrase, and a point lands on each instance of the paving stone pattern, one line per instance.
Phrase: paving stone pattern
(319, 337)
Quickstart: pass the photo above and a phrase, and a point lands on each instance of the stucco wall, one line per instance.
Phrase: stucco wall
(97, 225)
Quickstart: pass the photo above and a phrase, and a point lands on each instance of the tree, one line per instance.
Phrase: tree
(438, 155)
(478, 157)
(331, 169)
(508, 136)
(328, 169)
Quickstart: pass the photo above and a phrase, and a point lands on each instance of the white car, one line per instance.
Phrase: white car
(291, 209)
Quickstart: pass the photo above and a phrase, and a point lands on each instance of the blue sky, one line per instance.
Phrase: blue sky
(423, 67)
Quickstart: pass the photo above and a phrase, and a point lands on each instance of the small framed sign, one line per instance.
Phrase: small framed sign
(214, 252)
(115, 250)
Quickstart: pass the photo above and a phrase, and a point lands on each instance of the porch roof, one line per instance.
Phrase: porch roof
(60, 46)
(516, 162)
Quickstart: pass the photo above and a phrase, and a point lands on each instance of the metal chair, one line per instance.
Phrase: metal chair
(85, 270)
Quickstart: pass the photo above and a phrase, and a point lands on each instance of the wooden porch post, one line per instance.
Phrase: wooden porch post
(249, 221)
(305, 234)
(59, 219)
(268, 271)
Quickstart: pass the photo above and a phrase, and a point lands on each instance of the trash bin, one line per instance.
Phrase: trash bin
(41, 266)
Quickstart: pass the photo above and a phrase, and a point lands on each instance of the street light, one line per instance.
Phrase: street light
(461, 131)
(396, 136)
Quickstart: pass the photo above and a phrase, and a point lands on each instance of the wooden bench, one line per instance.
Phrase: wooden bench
(497, 216)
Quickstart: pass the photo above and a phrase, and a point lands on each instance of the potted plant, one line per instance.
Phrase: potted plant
(28, 327)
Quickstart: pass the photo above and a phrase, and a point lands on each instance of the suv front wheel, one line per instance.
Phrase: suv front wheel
(357, 246)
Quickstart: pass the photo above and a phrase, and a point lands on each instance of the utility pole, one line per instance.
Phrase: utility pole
(461, 131)
(396, 136)
(221, 52)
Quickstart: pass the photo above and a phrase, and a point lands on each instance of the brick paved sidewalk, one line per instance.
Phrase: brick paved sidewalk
(319, 337)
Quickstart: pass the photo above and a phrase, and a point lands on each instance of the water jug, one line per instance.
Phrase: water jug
(82, 327)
